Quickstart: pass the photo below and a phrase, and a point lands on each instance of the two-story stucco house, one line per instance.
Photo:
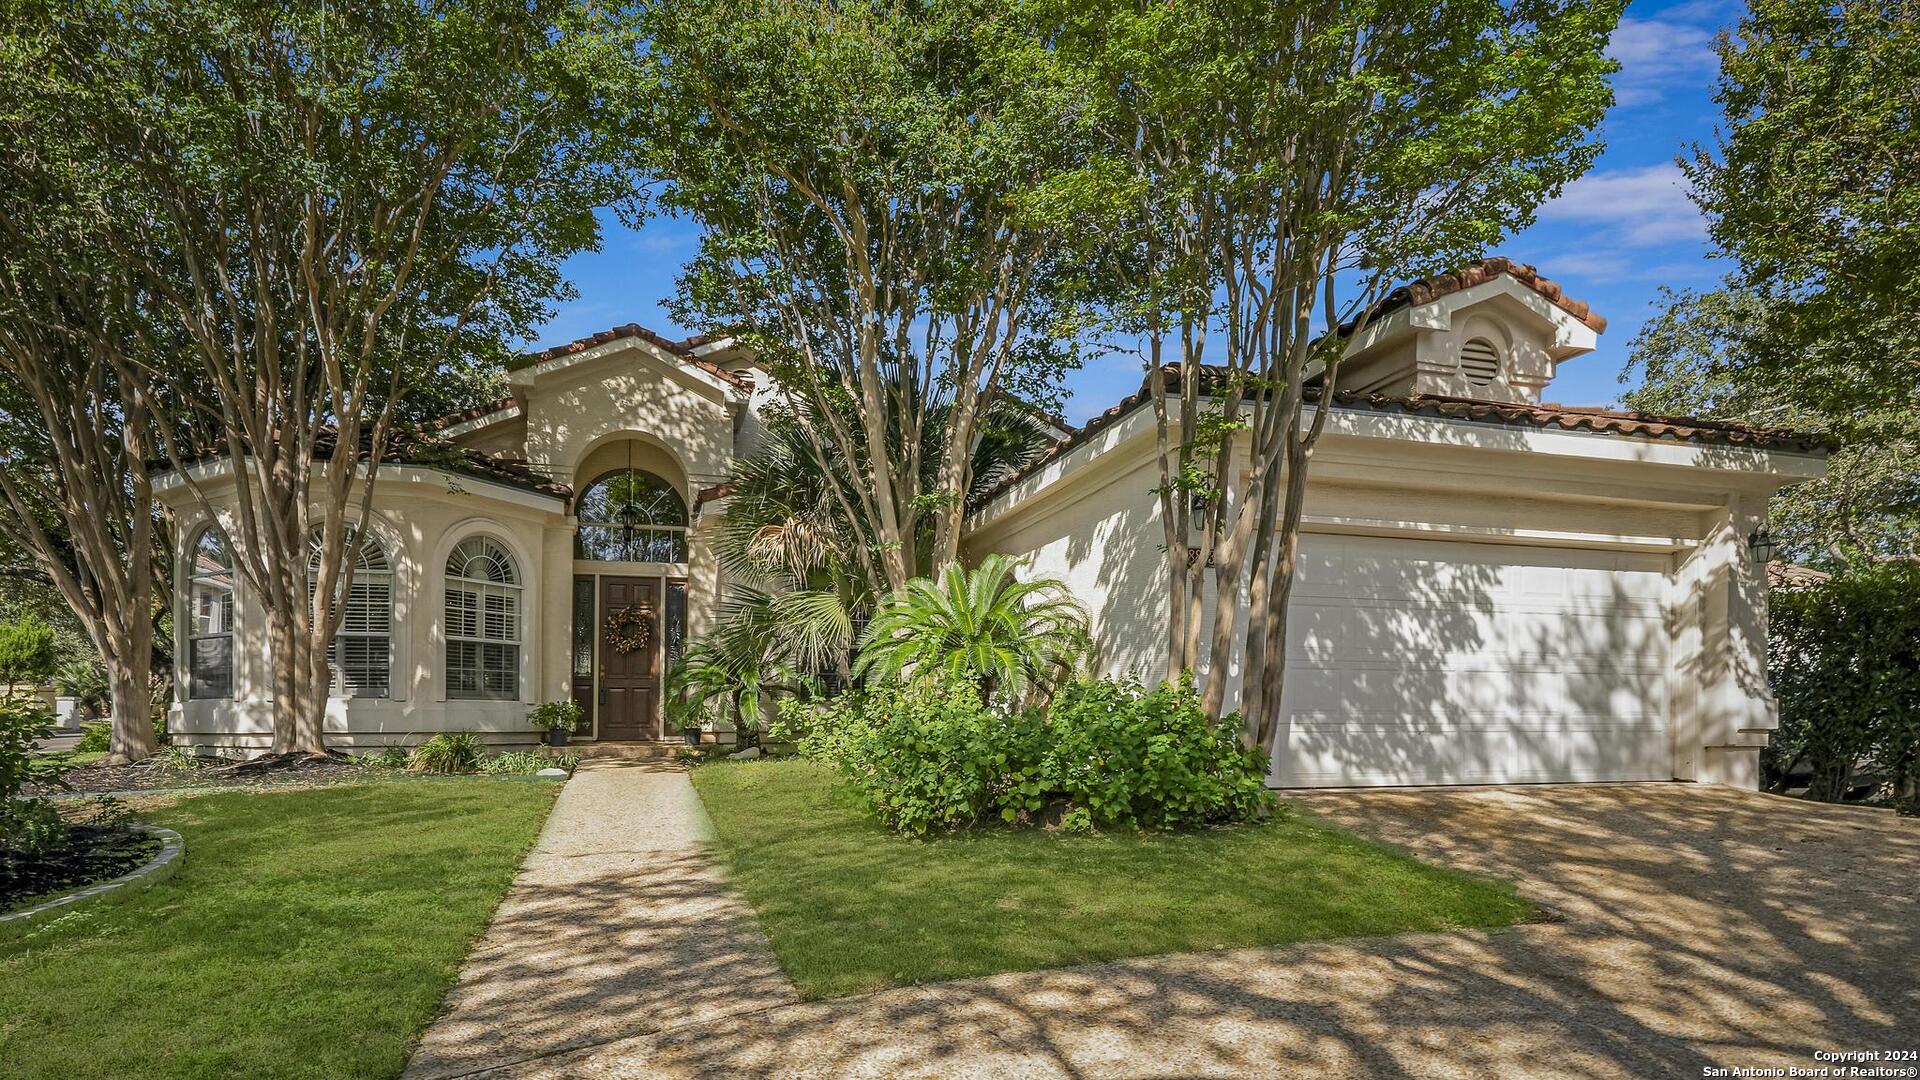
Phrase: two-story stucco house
(1492, 589)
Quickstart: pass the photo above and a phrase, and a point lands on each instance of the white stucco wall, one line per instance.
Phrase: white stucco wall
(621, 403)
(1410, 491)
(418, 517)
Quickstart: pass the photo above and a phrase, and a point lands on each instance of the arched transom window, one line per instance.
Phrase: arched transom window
(483, 621)
(210, 617)
(631, 516)
(361, 655)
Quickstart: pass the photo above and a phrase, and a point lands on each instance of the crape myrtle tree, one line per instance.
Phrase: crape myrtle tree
(76, 413)
(1273, 168)
(328, 207)
(76, 495)
(883, 190)
(1809, 192)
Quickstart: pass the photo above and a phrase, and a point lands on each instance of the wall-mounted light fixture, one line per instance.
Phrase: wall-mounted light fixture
(1760, 542)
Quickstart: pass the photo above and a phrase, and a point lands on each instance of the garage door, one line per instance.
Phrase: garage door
(1424, 662)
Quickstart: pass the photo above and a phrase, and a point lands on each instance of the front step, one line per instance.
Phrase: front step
(638, 750)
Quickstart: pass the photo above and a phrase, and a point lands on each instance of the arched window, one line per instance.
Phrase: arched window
(631, 516)
(483, 621)
(210, 617)
(361, 655)
(1479, 361)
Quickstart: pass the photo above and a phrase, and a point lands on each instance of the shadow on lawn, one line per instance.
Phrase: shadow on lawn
(1704, 927)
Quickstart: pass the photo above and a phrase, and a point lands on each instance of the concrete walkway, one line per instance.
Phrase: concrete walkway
(619, 924)
(1702, 928)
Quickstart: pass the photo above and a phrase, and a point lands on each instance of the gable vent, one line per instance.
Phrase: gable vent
(1479, 361)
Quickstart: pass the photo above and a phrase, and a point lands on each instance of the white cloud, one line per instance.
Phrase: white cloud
(1636, 207)
(1658, 55)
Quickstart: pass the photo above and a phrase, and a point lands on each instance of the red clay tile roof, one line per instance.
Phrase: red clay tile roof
(682, 349)
(1568, 418)
(475, 413)
(428, 450)
(1426, 290)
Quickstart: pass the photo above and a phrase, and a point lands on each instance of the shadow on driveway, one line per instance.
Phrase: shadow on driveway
(1703, 927)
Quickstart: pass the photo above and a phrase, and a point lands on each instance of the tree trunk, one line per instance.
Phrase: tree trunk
(132, 736)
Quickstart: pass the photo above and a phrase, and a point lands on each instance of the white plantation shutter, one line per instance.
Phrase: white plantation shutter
(361, 655)
(483, 621)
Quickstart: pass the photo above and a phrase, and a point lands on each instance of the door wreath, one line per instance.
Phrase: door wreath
(629, 629)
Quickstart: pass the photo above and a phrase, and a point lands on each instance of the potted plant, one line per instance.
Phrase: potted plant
(557, 718)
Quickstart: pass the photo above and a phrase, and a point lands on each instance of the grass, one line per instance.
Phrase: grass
(851, 907)
(309, 933)
(68, 759)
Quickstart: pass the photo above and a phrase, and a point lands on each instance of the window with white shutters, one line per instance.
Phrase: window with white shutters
(361, 655)
(483, 621)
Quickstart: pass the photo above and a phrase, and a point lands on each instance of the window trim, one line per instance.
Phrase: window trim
(337, 685)
(513, 589)
(195, 688)
(677, 533)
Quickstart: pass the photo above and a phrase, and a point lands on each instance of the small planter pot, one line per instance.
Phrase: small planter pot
(557, 736)
(693, 735)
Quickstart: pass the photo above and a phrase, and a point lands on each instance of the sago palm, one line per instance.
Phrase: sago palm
(1018, 638)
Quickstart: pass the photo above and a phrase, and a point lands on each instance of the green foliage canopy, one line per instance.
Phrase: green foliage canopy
(1810, 193)
(878, 185)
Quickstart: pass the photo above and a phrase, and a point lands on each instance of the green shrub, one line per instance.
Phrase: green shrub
(27, 826)
(95, 738)
(27, 653)
(1134, 756)
(526, 762)
(565, 715)
(1845, 666)
(448, 752)
(928, 754)
(392, 757)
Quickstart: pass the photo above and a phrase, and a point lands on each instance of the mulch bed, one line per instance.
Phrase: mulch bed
(92, 854)
(218, 773)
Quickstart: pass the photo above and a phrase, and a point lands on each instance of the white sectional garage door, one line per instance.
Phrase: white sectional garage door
(1428, 662)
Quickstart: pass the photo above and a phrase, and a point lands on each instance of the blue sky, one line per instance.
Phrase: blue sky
(1612, 239)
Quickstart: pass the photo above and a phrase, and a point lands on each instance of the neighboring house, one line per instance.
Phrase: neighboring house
(1491, 589)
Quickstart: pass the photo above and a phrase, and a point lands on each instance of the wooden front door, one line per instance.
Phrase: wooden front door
(630, 680)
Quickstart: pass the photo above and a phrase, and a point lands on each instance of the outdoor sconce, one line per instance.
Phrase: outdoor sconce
(1761, 544)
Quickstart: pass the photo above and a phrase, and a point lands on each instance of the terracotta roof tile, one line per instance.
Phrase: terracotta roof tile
(429, 450)
(476, 412)
(682, 349)
(1568, 418)
(1426, 290)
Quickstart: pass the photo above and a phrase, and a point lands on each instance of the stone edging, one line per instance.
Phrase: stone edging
(173, 848)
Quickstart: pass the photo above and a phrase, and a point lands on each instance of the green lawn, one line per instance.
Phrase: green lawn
(852, 908)
(309, 933)
(69, 759)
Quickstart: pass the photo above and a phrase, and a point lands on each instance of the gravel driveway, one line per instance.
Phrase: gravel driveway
(1700, 928)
